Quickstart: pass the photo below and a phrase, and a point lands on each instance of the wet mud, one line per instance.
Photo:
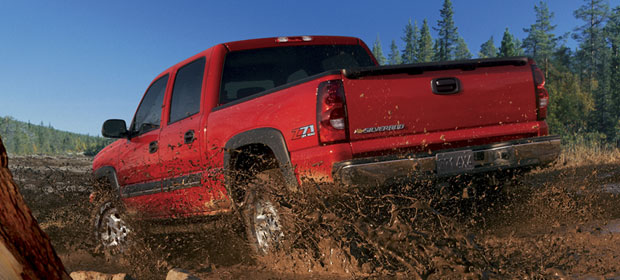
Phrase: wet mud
(558, 222)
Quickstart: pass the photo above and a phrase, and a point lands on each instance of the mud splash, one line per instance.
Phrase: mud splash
(542, 224)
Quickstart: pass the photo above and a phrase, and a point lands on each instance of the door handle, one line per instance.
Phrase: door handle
(189, 136)
(446, 86)
(153, 147)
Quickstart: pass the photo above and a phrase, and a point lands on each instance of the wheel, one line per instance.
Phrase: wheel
(265, 217)
(111, 230)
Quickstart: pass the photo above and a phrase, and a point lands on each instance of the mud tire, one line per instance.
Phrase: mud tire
(265, 213)
(109, 224)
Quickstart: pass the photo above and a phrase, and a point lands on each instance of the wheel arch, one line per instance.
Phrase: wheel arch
(268, 137)
(107, 173)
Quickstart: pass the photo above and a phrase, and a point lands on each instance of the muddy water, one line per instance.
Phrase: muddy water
(560, 221)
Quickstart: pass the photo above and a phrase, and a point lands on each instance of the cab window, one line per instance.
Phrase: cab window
(148, 115)
(186, 92)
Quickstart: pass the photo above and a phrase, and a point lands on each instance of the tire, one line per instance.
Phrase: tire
(110, 225)
(266, 219)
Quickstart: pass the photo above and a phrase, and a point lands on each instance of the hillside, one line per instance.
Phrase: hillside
(25, 138)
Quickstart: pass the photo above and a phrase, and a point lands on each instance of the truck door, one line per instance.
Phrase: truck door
(181, 142)
(139, 172)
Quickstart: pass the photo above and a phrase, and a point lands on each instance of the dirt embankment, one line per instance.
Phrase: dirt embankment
(545, 223)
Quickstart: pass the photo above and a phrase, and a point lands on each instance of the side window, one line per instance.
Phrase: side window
(186, 92)
(148, 116)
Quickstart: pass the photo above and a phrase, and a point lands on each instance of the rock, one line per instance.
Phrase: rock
(93, 275)
(180, 274)
(25, 250)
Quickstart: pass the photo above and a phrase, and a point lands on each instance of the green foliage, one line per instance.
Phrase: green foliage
(590, 35)
(436, 54)
(569, 106)
(378, 52)
(448, 33)
(613, 36)
(518, 47)
(461, 51)
(488, 49)
(21, 138)
(595, 57)
(508, 46)
(425, 44)
(394, 56)
(409, 53)
(540, 41)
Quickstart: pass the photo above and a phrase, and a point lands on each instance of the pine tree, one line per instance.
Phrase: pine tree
(394, 56)
(425, 44)
(540, 41)
(408, 55)
(461, 51)
(563, 59)
(448, 33)
(594, 57)
(518, 46)
(488, 49)
(507, 47)
(416, 36)
(590, 35)
(436, 54)
(378, 52)
(612, 29)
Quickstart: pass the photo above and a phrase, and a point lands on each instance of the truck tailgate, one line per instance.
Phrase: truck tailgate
(404, 102)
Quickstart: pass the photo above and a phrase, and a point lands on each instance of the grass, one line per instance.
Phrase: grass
(578, 153)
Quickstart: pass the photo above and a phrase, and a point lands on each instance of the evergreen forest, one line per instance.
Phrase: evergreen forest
(24, 138)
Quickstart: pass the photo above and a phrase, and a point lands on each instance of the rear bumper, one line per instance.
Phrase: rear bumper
(486, 158)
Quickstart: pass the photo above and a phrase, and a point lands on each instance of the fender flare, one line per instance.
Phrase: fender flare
(109, 173)
(271, 138)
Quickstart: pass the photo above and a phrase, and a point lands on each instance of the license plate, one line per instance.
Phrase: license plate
(454, 162)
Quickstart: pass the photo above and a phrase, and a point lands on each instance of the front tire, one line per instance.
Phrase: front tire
(110, 227)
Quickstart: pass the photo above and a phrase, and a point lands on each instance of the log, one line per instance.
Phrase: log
(25, 250)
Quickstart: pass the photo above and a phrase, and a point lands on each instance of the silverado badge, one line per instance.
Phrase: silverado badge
(379, 129)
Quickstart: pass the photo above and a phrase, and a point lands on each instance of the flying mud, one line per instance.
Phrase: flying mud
(561, 221)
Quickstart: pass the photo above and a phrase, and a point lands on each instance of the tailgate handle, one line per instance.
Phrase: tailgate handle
(446, 86)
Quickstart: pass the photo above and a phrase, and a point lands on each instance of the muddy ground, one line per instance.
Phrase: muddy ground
(543, 224)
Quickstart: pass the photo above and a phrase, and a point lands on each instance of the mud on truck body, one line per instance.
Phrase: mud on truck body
(297, 109)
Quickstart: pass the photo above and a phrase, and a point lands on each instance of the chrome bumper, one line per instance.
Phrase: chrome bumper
(500, 156)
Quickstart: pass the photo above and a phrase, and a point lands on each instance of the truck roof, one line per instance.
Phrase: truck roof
(282, 41)
(290, 40)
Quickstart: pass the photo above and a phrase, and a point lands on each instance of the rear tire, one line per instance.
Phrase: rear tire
(264, 215)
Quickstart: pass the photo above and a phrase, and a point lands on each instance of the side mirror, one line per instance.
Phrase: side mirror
(114, 129)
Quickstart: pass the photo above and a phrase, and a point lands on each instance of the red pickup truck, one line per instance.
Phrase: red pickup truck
(305, 108)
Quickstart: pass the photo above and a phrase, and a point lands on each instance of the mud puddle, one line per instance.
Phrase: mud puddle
(545, 223)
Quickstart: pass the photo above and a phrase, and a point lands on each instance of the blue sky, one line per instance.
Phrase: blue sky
(75, 63)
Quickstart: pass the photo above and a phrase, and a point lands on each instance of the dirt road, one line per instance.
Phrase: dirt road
(547, 223)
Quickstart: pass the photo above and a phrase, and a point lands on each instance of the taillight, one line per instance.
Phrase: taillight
(542, 96)
(331, 112)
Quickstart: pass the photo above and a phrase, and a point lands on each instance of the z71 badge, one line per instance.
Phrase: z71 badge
(303, 132)
(379, 128)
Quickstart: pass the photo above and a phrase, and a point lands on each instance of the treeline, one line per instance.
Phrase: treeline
(583, 83)
(24, 138)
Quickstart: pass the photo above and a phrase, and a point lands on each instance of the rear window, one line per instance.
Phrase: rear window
(252, 71)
